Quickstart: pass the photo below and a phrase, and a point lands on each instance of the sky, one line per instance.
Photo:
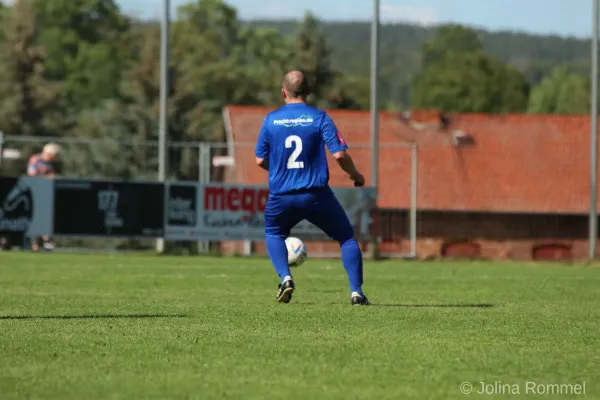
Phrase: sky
(561, 17)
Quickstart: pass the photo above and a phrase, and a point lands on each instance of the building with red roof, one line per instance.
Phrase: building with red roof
(497, 186)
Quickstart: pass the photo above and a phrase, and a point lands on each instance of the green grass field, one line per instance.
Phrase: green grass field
(149, 327)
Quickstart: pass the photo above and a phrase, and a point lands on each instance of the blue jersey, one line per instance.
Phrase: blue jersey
(293, 138)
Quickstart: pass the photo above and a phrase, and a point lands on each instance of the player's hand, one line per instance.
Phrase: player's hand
(359, 181)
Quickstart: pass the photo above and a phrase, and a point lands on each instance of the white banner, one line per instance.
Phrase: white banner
(236, 212)
(26, 205)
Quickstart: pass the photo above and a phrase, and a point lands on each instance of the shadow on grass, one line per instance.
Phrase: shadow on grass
(91, 316)
(435, 305)
(459, 305)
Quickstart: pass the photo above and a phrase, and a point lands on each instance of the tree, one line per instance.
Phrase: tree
(117, 150)
(461, 78)
(120, 125)
(28, 102)
(348, 93)
(449, 40)
(312, 55)
(3, 11)
(218, 62)
(86, 43)
(560, 93)
(214, 62)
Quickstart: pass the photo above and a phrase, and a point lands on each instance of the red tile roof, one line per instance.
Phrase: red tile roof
(517, 163)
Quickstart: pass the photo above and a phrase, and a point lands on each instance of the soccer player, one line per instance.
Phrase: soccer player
(291, 147)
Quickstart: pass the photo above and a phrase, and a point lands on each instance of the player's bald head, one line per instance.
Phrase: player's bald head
(295, 85)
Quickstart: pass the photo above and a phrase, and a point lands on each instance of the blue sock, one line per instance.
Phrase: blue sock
(353, 263)
(278, 254)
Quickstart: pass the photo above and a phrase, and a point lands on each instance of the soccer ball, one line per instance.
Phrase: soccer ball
(296, 250)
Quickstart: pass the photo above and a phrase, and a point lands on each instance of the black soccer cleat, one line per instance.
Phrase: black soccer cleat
(285, 290)
(359, 299)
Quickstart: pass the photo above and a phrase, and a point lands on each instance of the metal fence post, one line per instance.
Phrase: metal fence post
(1, 146)
(593, 212)
(414, 181)
(375, 27)
(204, 163)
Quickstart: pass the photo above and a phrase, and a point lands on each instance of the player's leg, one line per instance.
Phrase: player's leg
(279, 220)
(277, 229)
(328, 214)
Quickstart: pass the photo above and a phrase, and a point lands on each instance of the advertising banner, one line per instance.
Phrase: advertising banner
(175, 211)
(26, 205)
(108, 208)
(236, 212)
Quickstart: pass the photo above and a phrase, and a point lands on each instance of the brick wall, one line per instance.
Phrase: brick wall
(484, 235)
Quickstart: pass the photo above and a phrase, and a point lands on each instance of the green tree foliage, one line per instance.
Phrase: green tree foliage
(460, 77)
(3, 12)
(561, 93)
(118, 126)
(215, 61)
(218, 61)
(86, 42)
(312, 55)
(401, 44)
(28, 102)
(449, 40)
(112, 151)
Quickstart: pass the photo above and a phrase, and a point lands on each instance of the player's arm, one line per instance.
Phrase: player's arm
(262, 147)
(338, 147)
(347, 164)
(263, 163)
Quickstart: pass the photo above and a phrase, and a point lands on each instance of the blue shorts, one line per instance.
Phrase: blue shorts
(318, 206)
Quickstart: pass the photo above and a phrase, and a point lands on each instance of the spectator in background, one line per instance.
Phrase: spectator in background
(43, 165)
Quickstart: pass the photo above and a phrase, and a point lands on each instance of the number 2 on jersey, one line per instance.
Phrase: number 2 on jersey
(290, 141)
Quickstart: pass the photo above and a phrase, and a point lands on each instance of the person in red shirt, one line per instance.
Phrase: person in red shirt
(43, 165)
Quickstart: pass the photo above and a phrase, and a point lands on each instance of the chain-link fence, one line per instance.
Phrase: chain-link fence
(98, 158)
